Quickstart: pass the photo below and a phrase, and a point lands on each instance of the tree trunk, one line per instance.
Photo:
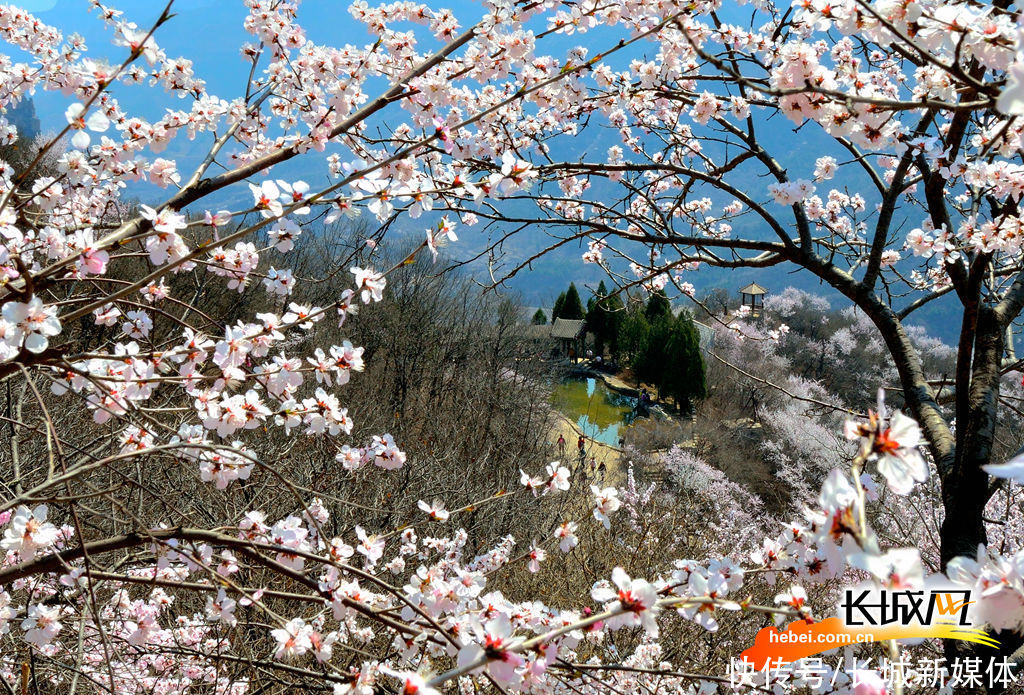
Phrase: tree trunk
(965, 486)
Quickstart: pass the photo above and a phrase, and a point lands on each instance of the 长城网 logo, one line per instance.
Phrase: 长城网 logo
(881, 607)
(873, 614)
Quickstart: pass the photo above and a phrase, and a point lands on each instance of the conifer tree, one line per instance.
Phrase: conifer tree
(556, 311)
(596, 318)
(684, 364)
(614, 314)
(658, 306)
(572, 308)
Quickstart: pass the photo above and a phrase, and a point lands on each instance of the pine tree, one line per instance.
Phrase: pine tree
(540, 318)
(684, 364)
(655, 365)
(573, 306)
(614, 315)
(696, 369)
(658, 306)
(633, 337)
(596, 315)
(556, 311)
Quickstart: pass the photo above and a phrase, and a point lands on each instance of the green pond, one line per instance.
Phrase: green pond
(597, 411)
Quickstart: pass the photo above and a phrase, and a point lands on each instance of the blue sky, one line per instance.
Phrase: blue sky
(38, 5)
(210, 32)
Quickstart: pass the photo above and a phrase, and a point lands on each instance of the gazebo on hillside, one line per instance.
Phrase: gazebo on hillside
(752, 296)
(570, 334)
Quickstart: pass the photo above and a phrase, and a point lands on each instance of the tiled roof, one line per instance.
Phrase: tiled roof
(568, 328)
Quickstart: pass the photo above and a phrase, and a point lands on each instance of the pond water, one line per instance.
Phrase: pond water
(597, 410)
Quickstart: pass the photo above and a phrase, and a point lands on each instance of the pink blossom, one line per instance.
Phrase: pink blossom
(29, 532)
(607, 502)
(435, 511)
(893, 443)
(42, 624)
(634, 600)
(96, 121)
(293, 640)
(566, 533)
(369, 284)
(491, 650)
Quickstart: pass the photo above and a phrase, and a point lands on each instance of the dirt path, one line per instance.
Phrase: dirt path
(609, 455)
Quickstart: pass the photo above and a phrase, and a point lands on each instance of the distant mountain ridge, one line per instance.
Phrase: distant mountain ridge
(23, 117)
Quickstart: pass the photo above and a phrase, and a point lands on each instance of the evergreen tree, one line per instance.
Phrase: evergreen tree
(556, 311)
(696, 369)
(633, 337)
(540, 318)
(654, 365)
(572, 308)
(614, 315)
(684, 374)
(658, 306)
(596, 314)
(664, 352)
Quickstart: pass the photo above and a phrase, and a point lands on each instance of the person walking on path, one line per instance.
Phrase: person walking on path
(582, 446)
(561, 446)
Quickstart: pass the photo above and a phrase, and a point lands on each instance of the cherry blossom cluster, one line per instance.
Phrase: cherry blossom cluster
(517, 644)
(453, 121)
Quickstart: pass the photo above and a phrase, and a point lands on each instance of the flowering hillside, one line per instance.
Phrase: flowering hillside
(209, 487)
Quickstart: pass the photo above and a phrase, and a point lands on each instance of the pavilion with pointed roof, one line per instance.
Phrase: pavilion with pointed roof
(752, 296)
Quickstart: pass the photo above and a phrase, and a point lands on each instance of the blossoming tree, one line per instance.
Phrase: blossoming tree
(911, 196)
(126, 380)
